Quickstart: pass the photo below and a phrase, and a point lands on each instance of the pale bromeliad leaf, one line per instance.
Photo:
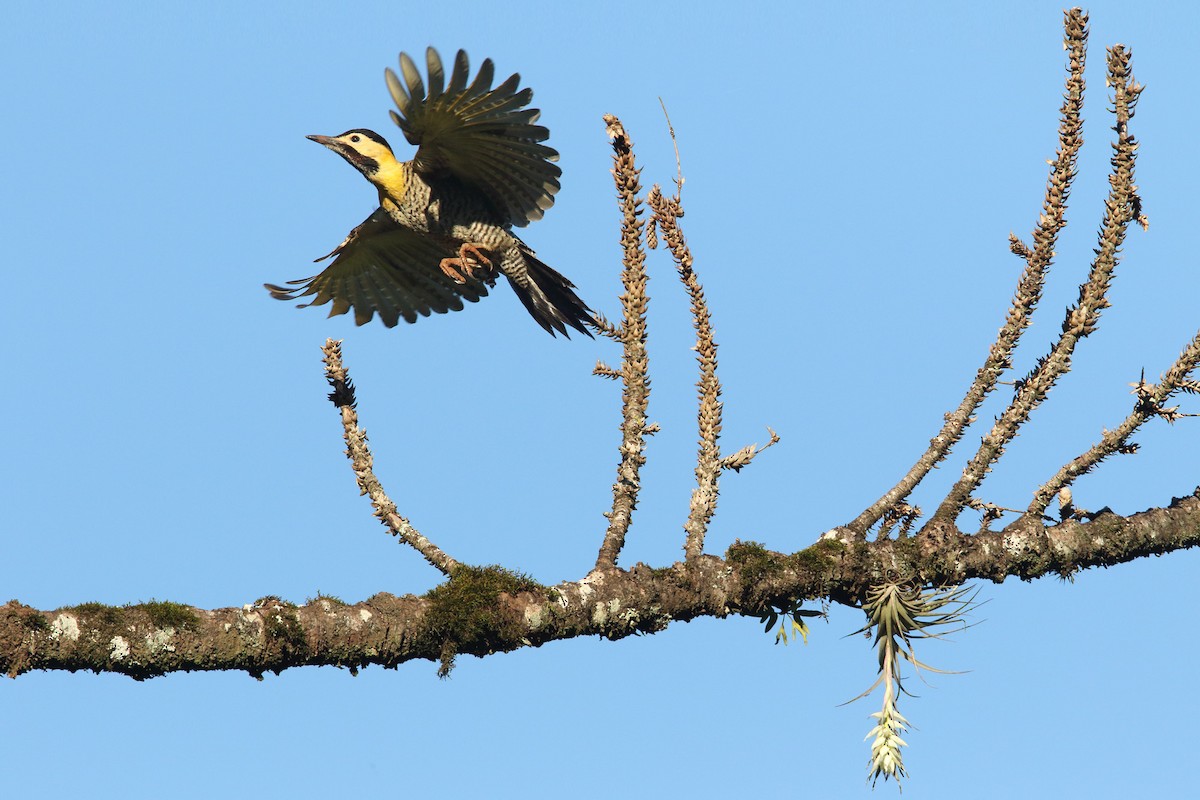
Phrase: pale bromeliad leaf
(900, 613)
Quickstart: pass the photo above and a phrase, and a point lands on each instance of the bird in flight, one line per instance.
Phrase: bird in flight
(443, 229)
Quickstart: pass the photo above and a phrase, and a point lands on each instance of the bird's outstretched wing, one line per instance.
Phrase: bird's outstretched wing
(483, 136)
(385, 268)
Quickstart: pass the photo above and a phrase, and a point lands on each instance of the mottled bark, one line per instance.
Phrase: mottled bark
(271, 635)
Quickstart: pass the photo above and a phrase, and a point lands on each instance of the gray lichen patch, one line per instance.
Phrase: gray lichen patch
(64, 626)
(118, 648)
(160, 640)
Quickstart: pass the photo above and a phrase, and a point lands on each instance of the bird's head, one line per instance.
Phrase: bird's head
(367, 151)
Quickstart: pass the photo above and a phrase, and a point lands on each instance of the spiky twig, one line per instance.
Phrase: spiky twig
(744, 457)
(708, 460)
(1149, 403)
(1029, 288)
(632, 335)
(362, 461)
(1122, 207)
(606, 328)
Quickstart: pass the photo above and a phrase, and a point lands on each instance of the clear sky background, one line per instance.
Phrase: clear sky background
(852, 177)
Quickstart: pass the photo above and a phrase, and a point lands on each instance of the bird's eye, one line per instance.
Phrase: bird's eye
(355, 138)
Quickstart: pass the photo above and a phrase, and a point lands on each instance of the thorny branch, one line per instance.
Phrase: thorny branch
(1029, 287)
(1122, 207)
(1149, 403)
(362, 462)
(632, 335)
(708, 461)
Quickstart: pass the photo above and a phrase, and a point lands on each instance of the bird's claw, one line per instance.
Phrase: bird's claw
(462, 267)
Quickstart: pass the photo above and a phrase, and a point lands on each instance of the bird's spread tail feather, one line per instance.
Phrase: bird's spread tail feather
(550, 298)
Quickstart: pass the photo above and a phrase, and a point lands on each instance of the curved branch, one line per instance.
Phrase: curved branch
(362, 462)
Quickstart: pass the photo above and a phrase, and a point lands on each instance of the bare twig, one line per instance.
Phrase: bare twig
(362, 461)
(1122, 207)
(603, 370)
(1149, 403)
(606, 328)
(632, 335)
(1029, 288)
(988, 512)
(675, 144)
(743, 458)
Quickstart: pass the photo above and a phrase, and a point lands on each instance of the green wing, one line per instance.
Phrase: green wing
(483, 136)
(382, 267)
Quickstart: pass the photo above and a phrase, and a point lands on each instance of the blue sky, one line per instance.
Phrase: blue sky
(852, 177)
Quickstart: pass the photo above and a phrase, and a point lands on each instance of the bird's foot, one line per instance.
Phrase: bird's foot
(470, 258)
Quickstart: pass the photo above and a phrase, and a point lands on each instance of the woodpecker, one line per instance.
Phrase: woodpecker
(443, 229)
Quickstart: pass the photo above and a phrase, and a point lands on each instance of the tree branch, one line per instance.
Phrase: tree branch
(632, 335)
(362, 462)
(1122, 207)
(1149, 403)
(155, 638)
(708, 460)
(1029, 288)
